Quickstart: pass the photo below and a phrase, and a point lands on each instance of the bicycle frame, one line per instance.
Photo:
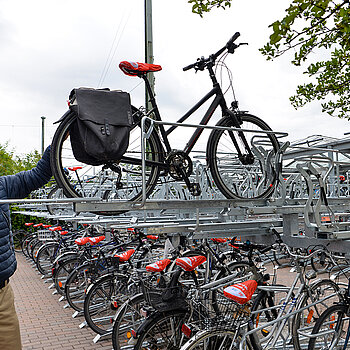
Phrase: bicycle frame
(219, 100)
(281, 320)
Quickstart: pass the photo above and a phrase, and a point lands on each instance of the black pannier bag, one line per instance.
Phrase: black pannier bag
(100, 134)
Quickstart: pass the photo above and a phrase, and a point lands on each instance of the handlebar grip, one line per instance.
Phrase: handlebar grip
(188, 67)
(233, 39)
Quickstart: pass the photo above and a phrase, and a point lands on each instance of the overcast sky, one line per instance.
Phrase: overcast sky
(49, 47)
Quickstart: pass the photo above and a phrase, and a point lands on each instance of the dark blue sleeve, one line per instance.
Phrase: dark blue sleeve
(20, 185)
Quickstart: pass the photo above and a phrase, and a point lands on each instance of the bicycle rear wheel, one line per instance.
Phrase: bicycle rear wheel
(163, 331)
(331, 329)
(245, 177)
(62, 272)
(119, 180)
(46, 256)
(129, 317)
(326, 293)
(77, 284)
(102, 301)
(213, 339)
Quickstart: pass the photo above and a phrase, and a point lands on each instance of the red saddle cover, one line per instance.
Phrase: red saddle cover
(190, 263)
(134, 68)
(126, 255)
(56, 228)
(90, 240)
(152, 237)
(219, 240)
(158, 266)
(241, 292)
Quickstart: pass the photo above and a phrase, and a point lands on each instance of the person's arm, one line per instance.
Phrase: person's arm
(20, 185)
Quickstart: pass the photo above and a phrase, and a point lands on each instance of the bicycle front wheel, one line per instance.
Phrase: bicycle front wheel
(331, 329)
(238, 174)
(118, 180)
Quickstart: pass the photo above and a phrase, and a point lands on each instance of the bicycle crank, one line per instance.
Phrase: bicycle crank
(180, 168)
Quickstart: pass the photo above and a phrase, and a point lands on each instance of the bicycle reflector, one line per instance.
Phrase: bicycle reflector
(186, 331)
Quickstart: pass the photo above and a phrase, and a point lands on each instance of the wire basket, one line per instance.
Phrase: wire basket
(162, 296)
(210, 312)
(45, 235)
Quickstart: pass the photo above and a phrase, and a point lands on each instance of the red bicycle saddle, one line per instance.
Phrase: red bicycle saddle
(126, 255)
(219, 240)
(90, 240)
(56, 228)
(135, 68)
(158, 266)
(241, 292)
(189, 264)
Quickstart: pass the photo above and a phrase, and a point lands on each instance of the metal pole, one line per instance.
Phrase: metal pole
(42, 134)
(149, 46)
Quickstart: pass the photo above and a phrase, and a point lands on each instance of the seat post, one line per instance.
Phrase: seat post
(156, 111)
(151, 95)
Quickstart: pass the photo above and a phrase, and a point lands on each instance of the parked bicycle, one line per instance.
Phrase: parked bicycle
(280, 317)
(332, 329)
(240, 151)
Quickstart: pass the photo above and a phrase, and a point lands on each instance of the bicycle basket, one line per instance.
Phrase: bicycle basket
(45, 235)
(164, 297)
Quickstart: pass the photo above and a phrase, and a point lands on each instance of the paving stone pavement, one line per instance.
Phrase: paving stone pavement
(44, 323)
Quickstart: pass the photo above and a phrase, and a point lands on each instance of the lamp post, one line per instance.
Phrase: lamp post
(42, 134)
(149, 47)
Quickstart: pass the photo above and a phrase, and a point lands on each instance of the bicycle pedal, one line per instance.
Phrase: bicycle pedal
(195, 189)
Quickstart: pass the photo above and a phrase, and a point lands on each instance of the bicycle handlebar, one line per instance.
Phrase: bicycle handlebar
(230, 46)
(249, 246)
(306, 257)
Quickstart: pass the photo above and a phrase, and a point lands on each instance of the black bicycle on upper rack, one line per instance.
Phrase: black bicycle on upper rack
(240, 151)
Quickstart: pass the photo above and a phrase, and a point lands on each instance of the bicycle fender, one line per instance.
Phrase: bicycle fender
(98, 280)
(65, 115)
(64, 256)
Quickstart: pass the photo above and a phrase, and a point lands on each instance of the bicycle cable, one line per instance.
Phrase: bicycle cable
(220, 64)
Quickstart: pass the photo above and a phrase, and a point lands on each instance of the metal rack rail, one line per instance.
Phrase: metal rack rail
(310, 205)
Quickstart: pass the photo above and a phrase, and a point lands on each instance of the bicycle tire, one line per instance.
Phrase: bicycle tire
(307, 318)
(233, 179)
(58, 209)
(102, 300)
(62, 272)
(77, 284)
(213, 339)
(45, 257)
(33, 247)
(24, 245)
(102, 179)
(128, 317)
(334, 318)
(163, 330)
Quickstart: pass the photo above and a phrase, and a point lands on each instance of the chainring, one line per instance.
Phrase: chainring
(179, 163)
